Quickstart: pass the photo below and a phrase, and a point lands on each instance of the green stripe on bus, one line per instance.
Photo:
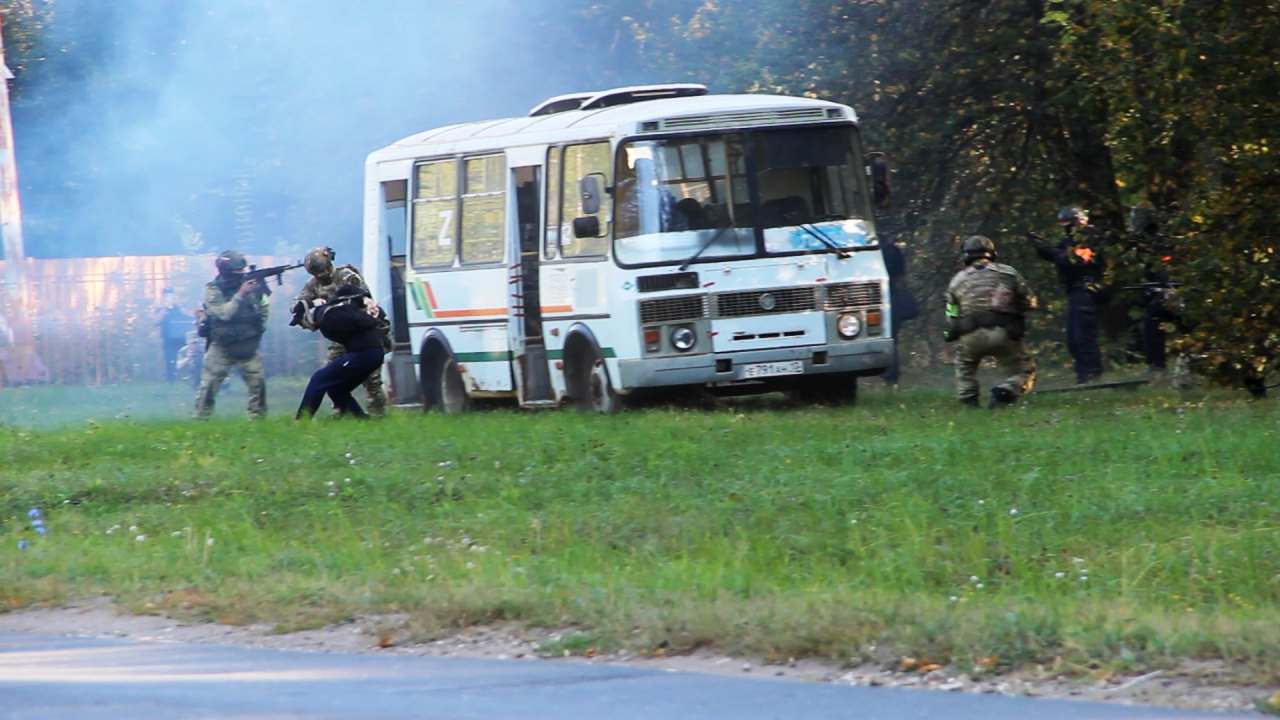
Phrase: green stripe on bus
(502, 356)
(559, 354)
(505, 356)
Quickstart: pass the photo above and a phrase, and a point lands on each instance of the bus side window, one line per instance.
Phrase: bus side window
(435, 210)
(551, 243)
(579, 162)
(484, 210)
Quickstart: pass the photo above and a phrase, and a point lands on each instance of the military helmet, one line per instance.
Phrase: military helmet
(1142, 217)
(1073, 215)
(319, 261)
(230, 261)
(978, 246)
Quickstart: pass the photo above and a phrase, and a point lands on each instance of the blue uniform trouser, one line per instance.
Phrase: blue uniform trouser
(1082, 333)
(893, 372)
(172, 346)
(337, 379)
(1154, 336)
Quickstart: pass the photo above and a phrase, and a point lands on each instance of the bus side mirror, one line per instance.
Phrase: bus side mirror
(881, 191)
(589, 188)
(586, 227)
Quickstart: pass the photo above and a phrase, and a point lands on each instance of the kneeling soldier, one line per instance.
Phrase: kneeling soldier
(986, 304)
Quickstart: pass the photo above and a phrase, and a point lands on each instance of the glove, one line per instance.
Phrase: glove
(299, 309)
(950, 336)
(1036, 238)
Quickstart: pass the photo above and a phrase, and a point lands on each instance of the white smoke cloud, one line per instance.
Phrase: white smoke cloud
(247, 121)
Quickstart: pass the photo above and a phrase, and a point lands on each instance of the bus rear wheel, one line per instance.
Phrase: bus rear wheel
(453, 394)
(443, 389)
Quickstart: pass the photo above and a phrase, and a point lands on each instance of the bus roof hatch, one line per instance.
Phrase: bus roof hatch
(617, 96)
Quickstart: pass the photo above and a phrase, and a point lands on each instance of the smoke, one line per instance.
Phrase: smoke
(171, 127)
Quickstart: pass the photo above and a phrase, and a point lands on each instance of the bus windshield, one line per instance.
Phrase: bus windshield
(680, 197)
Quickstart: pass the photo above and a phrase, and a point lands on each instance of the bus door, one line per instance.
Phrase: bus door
(404, 379)
(528, 347)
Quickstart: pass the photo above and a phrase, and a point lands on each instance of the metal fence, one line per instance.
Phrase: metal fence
(90, 321)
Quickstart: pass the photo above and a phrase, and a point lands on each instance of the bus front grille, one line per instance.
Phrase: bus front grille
(673, 309)
(853, 295)
(766, 302)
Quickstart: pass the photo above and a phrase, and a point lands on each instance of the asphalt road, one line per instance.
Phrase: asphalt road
(46, 677)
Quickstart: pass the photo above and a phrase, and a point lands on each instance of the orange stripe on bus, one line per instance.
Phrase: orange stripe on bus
(557, 308)
(471, 313)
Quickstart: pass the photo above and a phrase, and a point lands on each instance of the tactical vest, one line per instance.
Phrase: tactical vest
(247, 324)
(986, 286)
(986, 293)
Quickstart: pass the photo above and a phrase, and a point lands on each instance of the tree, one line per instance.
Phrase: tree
(1195, 91)
(998, 111)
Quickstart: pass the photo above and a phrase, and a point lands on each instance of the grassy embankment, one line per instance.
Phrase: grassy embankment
(1122, 530)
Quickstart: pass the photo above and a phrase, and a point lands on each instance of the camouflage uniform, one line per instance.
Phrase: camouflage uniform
(314, 289)
(236, 326)
(986, 302)
(191, 359)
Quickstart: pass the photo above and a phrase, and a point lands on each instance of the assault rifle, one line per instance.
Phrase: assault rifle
(1153, 286)
(267, 273)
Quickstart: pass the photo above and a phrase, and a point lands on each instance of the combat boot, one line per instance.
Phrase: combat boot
(1001, 398)
(969, 401)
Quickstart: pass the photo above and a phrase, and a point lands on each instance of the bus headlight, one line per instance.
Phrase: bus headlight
(848, 325)
(683, 338)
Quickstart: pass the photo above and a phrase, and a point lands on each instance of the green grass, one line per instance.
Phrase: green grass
(1075, 531)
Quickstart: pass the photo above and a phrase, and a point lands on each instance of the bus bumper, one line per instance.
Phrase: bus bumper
(867, 357)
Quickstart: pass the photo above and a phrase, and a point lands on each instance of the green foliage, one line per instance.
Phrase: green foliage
(999, 111)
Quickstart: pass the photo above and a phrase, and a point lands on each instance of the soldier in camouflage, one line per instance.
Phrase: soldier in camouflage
(237, 318)
(324, 283)
(986, 307)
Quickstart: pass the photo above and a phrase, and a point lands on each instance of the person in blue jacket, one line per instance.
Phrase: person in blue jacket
(902, 305)
(349, 318)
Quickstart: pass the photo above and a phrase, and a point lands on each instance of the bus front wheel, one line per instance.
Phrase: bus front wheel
(589, 385)
(829, 389)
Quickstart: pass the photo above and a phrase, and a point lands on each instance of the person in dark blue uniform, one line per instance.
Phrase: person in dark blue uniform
(902, 305)
(1156, 252)
(173, 324)
(1080, 264)
(350, 318)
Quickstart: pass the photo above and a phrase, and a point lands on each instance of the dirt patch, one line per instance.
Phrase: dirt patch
(1195, 686)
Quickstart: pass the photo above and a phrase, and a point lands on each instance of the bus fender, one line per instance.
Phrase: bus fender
(580, 351)
(578, 340)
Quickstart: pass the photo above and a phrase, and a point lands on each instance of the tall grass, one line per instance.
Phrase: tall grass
(1127, 529)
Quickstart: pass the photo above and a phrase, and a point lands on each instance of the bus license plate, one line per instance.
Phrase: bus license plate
(760, 370)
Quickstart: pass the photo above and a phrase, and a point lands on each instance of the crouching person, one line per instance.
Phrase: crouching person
(986, 307)
(349, 318)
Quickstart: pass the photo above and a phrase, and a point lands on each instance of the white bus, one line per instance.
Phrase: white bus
(632, 239)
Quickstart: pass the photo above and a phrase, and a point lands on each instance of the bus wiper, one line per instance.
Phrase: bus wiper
(817, 233)
(707, 246)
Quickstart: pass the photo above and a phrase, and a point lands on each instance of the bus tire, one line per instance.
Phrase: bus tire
(828, 389)
(588, 383)
(442, 386)
(454, 399)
